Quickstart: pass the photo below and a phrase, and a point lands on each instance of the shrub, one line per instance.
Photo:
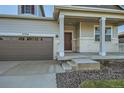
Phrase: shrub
(102, 84)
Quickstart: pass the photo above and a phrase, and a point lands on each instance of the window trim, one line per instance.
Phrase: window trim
(105, 26)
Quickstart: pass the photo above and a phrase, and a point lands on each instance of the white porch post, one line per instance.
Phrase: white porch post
(61, 36)
(102, 47)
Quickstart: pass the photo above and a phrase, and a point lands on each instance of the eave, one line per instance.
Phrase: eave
(89, 9)
(29, 17)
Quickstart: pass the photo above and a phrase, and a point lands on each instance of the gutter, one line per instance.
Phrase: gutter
(27, 17)
(89, 9)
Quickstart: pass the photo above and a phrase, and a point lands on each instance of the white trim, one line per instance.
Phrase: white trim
(80, 29)
(105, 27)
(80, 37)
(70, 31)
(61, 36)
(54, 52)
(27, 34)
(30, 17)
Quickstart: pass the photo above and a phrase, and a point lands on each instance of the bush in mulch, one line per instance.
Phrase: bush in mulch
(108, 71)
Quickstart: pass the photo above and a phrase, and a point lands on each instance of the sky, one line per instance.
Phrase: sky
(13, 9)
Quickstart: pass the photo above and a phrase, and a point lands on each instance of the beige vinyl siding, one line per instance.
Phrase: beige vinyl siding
(88, 43)
(29, 26)
(87, 29)
(115, 32)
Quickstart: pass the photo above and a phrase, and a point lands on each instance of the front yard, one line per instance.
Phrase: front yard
(113, 70)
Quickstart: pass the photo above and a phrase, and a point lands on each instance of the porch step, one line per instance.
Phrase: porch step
(85, 64)
(73, 65)
(66, 66)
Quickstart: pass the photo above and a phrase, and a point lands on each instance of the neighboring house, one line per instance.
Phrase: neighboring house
(121, 41)
(121, 37)
(72, 29)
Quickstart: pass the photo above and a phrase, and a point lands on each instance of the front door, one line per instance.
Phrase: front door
(68, 41)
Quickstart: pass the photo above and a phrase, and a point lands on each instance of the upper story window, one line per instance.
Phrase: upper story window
(108, 31)
(27, 9)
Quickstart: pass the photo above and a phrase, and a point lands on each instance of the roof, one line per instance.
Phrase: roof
(118, 7)
(121, 6)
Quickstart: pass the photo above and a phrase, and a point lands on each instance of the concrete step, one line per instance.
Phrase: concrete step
(56, 68)
(66, 58)
(85, 64)
(73, 65)
(66, 66)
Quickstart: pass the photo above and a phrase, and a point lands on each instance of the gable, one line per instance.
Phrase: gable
(103, 6)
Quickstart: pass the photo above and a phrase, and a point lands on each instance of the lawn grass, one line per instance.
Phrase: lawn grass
(102, 84)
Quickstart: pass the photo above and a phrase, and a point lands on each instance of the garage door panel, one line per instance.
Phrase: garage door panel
(26, 50)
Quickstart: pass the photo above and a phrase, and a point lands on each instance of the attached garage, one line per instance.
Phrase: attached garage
(26, 48)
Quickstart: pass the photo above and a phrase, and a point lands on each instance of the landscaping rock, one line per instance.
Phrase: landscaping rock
(114, 70)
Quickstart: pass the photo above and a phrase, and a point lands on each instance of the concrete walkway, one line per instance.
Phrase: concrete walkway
(29, 81)
(28, 74)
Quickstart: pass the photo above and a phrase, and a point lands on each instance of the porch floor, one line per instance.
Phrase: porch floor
(94, 56)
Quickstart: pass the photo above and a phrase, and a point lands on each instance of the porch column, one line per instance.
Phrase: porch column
(102, 47)
(61, 37)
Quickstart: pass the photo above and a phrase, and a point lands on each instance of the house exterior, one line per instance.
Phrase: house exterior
(121, 37)
(81, 29)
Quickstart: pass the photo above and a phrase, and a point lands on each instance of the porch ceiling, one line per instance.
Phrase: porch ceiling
(75, 20)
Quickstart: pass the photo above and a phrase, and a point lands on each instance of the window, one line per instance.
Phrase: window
(32, 38)
(1, 38)
(41, 38)
(107, 34)
(28, 9)
(21, 38)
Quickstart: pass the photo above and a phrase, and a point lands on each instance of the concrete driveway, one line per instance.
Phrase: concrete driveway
(29, 74)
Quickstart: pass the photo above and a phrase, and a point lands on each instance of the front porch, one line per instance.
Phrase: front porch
(93, 56)
(84, 41)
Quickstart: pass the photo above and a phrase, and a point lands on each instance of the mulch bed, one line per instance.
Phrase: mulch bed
(109, 70)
